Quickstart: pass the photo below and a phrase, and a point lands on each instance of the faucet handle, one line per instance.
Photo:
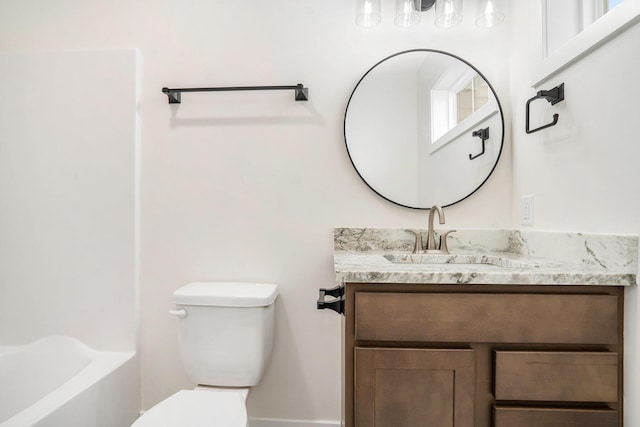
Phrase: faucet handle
(419, 247)
(443, 241)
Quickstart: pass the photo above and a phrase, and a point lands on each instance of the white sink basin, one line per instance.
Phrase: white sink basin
(468, 259)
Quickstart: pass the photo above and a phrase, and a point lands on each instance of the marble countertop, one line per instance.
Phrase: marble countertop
(365, 255)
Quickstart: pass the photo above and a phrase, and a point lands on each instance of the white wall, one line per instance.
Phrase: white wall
(247, 186)
(583, 172)
(67, 187)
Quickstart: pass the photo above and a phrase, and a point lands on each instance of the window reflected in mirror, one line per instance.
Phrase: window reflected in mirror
(473, 96)
(459, 99)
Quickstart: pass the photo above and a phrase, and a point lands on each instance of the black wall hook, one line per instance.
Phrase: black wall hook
(483, 134)
(553, 96)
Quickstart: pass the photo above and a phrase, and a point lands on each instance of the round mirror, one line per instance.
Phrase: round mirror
(424, 128)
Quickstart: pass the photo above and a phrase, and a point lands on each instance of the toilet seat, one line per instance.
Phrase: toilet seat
(197, 408)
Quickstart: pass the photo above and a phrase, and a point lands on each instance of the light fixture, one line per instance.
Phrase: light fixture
(448, 13)
(368, 13)
(424, 5)
(489, 14)
(407, 13)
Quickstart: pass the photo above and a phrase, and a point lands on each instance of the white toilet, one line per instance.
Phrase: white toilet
(225, 336)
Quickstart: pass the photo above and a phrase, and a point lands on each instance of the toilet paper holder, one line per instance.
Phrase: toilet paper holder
(337, 304)
(553, 96)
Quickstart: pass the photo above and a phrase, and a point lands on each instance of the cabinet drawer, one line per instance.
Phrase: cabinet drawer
(491, 318)
(545, 417)
(556, 376)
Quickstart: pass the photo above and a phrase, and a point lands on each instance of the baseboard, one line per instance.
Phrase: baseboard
(275, 422)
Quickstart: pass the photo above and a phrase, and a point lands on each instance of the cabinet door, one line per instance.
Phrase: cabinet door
(414, 387)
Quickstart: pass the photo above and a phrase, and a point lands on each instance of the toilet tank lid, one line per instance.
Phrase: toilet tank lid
(226, 294)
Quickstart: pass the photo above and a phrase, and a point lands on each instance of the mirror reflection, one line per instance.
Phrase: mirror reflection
(423, 127)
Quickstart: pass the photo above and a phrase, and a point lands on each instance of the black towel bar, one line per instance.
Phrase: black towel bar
(175, 95)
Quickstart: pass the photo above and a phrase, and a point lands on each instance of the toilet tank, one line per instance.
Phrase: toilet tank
(225, 331)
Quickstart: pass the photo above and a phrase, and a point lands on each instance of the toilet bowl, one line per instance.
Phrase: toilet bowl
(225, 336)
(198, 408)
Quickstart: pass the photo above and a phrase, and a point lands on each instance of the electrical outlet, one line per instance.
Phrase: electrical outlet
(526, 210)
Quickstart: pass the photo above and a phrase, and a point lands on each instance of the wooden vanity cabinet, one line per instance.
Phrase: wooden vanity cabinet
(483, 355)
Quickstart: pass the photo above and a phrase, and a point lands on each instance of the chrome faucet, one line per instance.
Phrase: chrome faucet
(431, 235)
(432, 246)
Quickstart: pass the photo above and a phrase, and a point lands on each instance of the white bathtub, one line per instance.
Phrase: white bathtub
(59, 382)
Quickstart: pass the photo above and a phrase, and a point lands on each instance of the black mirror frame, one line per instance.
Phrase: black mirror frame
(432, 51)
